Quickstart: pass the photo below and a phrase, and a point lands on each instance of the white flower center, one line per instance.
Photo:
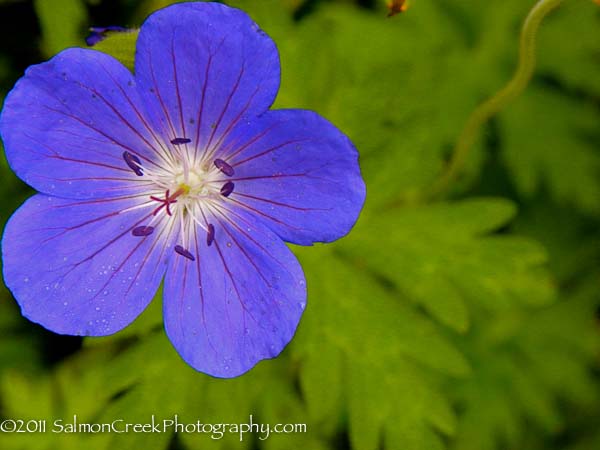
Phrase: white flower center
(182, 192)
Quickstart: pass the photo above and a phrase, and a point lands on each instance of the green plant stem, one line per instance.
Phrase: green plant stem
(493, 105)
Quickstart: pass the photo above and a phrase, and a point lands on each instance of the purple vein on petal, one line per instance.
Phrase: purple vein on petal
(110, 138)
(120, 116)
(177, 91)
(160, 99)
(284, 205)
(100, 200)
(253, 263)
(76, 137)
(235, 286)
(226, 107)
(234, 122)
(144, 260)
(74, 227)
(104, 247)
(118, 268)
(247, 235)
(229, 274)
(230, 328)
(138, 184)
(250, 260)
(202, 303)
(75, 117)
(64, 231)
(265, 177)
(55, 155)
(269, 150)
(250, 142)
(204, 87)
(257, 211)
(112, 241)
(142, 119)
(201, 109)
(158, 238)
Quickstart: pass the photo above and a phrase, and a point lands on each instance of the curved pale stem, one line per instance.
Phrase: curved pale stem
(493, 105)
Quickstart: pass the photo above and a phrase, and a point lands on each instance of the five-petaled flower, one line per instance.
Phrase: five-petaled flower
(179, 172)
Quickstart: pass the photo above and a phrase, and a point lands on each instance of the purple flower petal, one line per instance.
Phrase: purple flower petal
(297, 173)
(202, 68)
(239, 302)
(68, 122)
(75, 267)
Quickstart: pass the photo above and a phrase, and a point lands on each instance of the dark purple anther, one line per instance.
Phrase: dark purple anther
(210, 237)
(134, 163)
(180, 141)
(227, 189)
(224, 167)
(183, 252)
(142, 231)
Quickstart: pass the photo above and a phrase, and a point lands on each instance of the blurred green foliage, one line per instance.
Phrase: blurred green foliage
(470, 323)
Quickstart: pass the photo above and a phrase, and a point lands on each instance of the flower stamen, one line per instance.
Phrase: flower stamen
(224, 167)
(180, 141)
(185, 253)
(227, 189)
(210, 237)
(133, 162)
(142, 231)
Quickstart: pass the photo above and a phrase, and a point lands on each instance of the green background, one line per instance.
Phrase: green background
(466, 323)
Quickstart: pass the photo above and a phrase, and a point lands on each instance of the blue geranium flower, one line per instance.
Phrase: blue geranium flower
(179, 172)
